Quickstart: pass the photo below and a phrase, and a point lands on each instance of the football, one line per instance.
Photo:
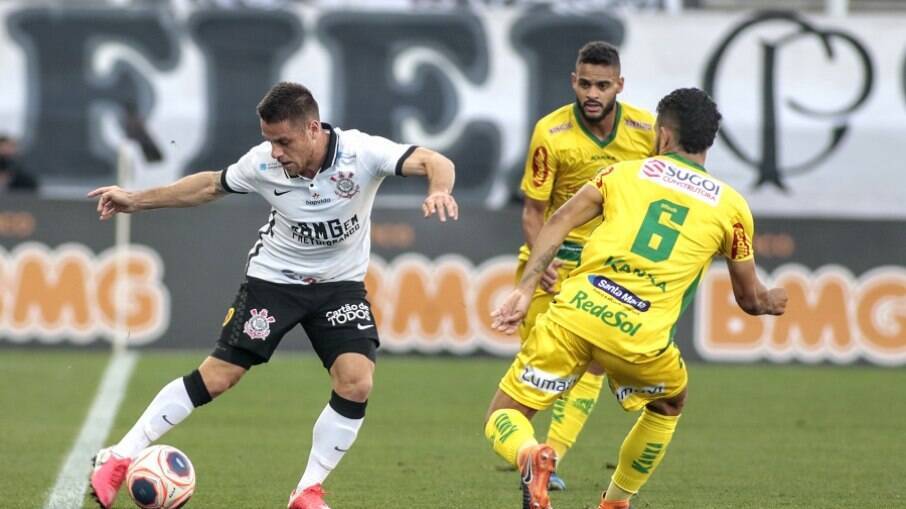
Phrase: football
(161, 477)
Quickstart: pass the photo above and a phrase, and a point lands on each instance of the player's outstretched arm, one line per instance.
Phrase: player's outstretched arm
(188, 191)
(752, 296)
(585, 205)
(441, 175)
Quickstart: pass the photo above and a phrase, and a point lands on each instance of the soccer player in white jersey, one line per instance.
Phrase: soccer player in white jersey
(307, 268)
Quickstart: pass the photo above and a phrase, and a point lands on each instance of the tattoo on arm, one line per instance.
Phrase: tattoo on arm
(534, 272)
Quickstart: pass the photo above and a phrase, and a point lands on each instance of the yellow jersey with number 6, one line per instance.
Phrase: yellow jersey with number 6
(664, 219)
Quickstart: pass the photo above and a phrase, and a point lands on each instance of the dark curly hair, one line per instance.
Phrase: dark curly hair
(693, 115)
(288, 101)
(599, 53)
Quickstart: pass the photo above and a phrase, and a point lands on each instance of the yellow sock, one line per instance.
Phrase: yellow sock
(571, 411)
(509, 431)
(642, 450)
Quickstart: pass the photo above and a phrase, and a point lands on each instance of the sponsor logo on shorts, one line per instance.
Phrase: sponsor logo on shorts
(616, 319)
(259, 325)
(625, 391)
(619, 292)
(688, 182)
(546, 382)
(350, 313)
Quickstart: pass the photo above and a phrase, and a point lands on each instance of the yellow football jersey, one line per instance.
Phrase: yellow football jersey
(564, 155)
(665, 218)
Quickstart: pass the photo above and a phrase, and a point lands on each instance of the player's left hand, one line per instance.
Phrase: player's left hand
(509, 315)
(441, 203)
(550, 276)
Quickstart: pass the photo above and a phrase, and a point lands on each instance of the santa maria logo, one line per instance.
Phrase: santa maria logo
(619, 292)
(690, 182)
(346, 187)
(259, 325)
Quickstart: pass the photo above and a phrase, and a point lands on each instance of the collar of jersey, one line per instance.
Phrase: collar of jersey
(331, 156)
(613, 132)
(674, 155)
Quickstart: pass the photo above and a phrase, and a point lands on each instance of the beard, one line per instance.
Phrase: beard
(605, 110)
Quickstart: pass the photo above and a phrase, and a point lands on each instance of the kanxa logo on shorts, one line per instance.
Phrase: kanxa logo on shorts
(349, 313)
(259, 325)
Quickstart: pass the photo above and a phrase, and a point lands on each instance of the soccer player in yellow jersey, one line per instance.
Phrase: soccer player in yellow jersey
(568, 147)
(664, 219)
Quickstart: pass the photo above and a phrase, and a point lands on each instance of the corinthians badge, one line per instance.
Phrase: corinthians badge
(259, 325)
(345, 186)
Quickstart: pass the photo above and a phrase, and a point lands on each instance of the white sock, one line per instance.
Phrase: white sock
(332, 436)
(170, 407)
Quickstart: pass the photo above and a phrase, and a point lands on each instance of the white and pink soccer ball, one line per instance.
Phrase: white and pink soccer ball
(161, 477)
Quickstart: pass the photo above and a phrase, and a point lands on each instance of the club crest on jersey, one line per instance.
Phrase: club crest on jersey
(345, 186)
(259, 325)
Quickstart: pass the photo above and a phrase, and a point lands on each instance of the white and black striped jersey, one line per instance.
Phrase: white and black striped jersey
(319, 229)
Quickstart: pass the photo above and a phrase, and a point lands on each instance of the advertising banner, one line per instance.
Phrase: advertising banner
(432, 285)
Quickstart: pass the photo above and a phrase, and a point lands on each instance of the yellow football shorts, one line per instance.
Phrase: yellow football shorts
(553, 358)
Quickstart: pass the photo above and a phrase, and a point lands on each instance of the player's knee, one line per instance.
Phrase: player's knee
(354, 388)
(669, 406)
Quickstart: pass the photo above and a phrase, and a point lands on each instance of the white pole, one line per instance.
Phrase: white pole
(836, 8)
(122, 240)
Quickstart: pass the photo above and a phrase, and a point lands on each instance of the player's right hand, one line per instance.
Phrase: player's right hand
(509, 315)
(113, 199)
(777, 300)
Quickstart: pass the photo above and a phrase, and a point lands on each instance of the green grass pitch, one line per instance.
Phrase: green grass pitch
(752, 436)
